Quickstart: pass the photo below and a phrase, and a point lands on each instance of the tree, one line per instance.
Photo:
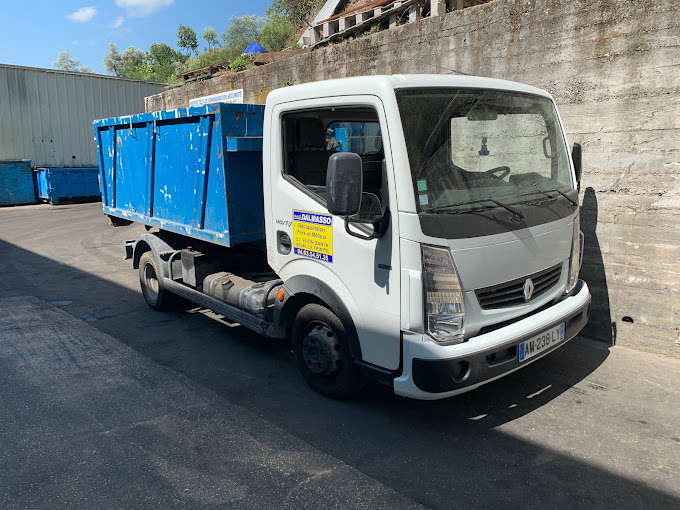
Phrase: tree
(134, 62)
(129, 64)
(210, 35)
(113, 62)
(242, 31)
(276, 32)
(161, 62)
(66, 63)
(186, 38)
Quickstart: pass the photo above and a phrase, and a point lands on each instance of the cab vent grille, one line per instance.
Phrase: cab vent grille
(512, 293)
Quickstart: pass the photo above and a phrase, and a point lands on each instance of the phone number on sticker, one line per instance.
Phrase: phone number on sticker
(313, 255)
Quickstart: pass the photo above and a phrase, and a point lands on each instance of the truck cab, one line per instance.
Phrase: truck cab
(420, 230)
(461, 262)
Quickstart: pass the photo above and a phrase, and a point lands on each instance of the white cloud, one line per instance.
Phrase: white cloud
(83, 15)
(117, 23)
(142, 8)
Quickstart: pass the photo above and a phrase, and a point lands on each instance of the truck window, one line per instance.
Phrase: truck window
(361, 137)
(312, 136)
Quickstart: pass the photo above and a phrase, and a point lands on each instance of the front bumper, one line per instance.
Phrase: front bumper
(433, 371)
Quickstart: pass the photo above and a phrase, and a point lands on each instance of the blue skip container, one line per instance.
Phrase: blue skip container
(193, 171)
(58, 184)
(16, 182)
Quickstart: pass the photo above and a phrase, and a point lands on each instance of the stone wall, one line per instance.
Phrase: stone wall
(613, 67)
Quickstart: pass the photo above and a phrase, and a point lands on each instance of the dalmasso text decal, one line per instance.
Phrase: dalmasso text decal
(313, 235)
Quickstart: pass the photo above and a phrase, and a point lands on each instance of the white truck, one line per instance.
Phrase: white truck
(419, 230)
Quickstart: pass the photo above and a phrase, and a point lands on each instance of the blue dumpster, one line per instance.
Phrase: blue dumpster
(194, 171)
(16, 182)
(58, 184)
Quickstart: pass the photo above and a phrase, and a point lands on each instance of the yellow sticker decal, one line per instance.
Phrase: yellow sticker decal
(313, 235)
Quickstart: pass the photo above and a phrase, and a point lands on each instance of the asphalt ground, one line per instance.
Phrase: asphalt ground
(106, 403)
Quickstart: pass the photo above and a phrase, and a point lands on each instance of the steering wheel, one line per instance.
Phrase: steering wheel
(504, 169)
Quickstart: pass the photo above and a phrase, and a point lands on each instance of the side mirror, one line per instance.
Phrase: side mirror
(344, 183)
(576, 158)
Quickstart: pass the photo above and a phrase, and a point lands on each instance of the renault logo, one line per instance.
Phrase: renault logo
(528, 289)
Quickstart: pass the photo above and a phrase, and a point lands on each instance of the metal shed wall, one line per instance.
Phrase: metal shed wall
(46, 115)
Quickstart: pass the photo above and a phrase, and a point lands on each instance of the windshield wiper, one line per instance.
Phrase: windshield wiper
(482, 200)
(546, 191)
(573, 202)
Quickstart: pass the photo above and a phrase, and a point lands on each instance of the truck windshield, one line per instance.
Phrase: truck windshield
(470, 147)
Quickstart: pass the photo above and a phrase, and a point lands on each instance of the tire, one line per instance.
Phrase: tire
(322, 353)
(151, 282)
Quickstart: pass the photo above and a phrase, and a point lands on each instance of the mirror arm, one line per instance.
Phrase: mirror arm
(379, 226)
(354, 234)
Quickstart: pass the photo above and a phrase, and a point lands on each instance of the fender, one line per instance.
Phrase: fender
(306, 284)
(158, 245)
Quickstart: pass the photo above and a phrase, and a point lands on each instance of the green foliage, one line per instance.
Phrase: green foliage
(205, 59)
(276, 32)
(161, 63)
(240, 63)
(129, 64)
(287, 82)
(210, 36)
(296, 11)
(242, 31)
(67, 63)
(186, 39)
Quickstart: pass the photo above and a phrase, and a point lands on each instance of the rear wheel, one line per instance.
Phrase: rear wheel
(322, 353)
(151, 281)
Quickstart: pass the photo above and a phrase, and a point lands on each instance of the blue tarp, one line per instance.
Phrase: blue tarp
(254, 47)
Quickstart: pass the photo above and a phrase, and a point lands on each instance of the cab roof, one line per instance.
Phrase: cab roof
(386, 84)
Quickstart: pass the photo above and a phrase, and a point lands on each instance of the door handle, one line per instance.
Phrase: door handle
(283, 242)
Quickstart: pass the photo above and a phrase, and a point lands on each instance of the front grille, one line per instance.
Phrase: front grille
(512, 293)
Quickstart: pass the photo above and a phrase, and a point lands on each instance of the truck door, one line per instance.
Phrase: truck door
(305, 241)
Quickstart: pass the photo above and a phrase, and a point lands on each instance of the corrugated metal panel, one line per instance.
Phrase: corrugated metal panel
(46, 115)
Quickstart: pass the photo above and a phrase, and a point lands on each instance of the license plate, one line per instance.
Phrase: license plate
(541, 343)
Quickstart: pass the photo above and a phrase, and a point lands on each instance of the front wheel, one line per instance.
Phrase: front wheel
(322, 353)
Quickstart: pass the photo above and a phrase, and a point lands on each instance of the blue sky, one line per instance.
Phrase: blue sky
(33, 32)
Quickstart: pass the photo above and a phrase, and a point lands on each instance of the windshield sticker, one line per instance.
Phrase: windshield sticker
(422, 185)
(423, 199)
(313, 235)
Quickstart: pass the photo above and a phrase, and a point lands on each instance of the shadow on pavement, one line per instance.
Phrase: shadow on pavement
(445, 454)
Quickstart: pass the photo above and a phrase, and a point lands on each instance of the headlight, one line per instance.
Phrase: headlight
(575, 258)
(444, 308)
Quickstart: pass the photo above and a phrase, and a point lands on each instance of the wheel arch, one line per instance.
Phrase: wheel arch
(306, 289)
(140, 248)
(150, 242)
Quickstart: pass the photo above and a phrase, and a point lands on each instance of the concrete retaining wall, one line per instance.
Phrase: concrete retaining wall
(614, 68)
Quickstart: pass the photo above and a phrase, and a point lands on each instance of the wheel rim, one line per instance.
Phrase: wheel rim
(321, 351)
(150, 281)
